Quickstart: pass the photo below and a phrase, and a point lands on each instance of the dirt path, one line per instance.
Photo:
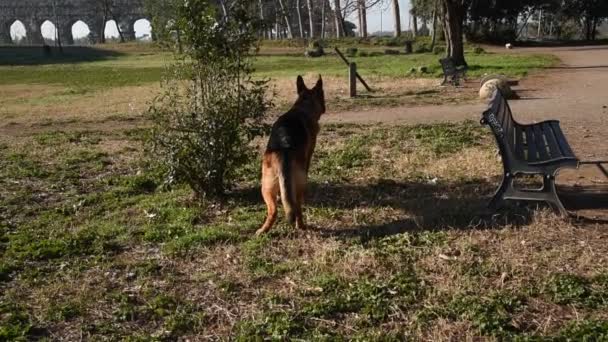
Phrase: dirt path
(575, 92)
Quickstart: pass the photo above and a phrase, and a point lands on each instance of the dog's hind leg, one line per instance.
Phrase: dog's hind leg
(300, 187)
(270, 191)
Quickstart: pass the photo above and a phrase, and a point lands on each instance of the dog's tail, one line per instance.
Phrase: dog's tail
(286, 185)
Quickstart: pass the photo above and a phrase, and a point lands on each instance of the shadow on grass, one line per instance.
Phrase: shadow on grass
(431, 207)
(35, 55)
(455, 205)
(584, 198)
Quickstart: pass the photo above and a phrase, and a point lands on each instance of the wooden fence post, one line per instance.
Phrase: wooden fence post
(352, 76)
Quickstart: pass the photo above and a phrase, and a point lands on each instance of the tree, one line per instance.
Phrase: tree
(285, 15)
(397, 15)
(300, 23)
(311, 23)
(362, 14)
(211, 108)
(454, 14)
(339, 21)
(163, 19)
(591, 13)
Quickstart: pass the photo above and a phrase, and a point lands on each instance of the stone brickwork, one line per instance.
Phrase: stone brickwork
(64, 13)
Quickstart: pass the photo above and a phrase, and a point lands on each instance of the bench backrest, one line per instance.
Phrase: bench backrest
(500, 119)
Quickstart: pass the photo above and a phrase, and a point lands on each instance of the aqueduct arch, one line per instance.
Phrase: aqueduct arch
(32, 13)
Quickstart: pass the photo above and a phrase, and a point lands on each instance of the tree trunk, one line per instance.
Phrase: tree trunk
(360, 17)
(414, 25)
(300, 23)
(277, 27)
(286, 18)
(224, 10)
(539, 34)
(363, 18)
(397, 14)
(338, 19)
(434, 36)
(594, 29)
(311, 23)
(362, 12)
(454, 13)
(323, 18)
(262, 19)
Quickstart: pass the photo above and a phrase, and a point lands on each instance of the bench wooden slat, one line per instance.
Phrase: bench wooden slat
(519, 143)
(541, 146)
(530, 144)
(554, 149)
(561, 140)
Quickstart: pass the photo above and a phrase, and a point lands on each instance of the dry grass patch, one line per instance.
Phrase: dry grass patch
(92, 244)
(387, 92)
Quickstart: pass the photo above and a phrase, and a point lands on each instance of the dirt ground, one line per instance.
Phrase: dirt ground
(573, 92)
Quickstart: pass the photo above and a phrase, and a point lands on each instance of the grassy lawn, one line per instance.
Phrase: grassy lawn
(399, 246)
(136, 68)
(127, 77)
(95, 246)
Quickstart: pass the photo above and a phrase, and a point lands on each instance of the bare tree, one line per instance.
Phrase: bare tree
(454, 13)
(299, 14)
(434, 36)
(362, 10)
(397, 14)
(323, 17)
(285, 15)
(338, 19)
(311, 23)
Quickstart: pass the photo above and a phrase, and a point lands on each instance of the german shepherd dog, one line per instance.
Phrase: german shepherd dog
(288, 153)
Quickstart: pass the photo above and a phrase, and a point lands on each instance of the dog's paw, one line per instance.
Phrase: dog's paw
(260, 232)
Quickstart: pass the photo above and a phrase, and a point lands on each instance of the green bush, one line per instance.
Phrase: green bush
(391, 52)
(211, 107)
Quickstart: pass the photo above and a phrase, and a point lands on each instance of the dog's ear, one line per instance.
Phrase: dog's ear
(300, 84)
(319, 85)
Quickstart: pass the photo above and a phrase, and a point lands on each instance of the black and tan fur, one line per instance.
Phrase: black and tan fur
(288, 154)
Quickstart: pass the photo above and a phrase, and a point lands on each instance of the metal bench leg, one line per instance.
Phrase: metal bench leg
(552, 198)
(498, 198)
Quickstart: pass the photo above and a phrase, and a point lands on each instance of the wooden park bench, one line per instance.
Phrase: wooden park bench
(535, 149)
(452, 73)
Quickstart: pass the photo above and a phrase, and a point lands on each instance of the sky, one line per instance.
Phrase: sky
(379, 18)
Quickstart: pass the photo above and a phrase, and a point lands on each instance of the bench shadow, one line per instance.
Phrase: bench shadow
(584, 197)
(429, 207)
(36, 55)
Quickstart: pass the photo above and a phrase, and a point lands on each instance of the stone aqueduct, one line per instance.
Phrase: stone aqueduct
(64, 13)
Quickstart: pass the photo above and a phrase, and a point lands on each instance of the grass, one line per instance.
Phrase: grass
(400, 65)
(94, 245)
(399, 247)
(34, 88)
(137, 69)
